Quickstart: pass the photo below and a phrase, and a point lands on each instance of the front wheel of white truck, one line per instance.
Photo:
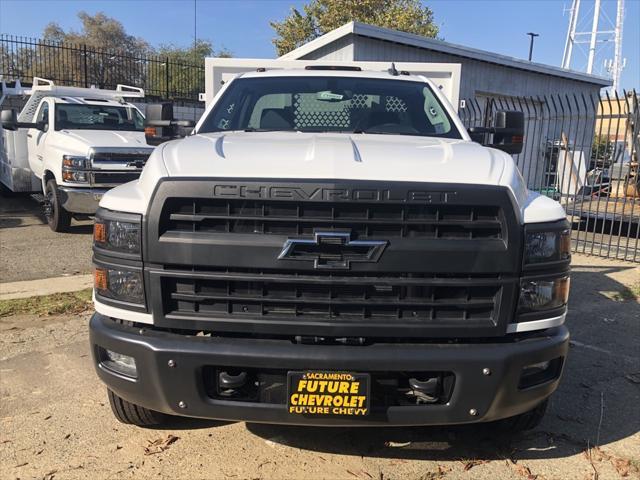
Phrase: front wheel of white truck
(132, 414)
(58, 218)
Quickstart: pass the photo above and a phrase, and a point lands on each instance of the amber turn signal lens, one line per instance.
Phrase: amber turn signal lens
(100, 279)
(99, 233)
(561, 287)
(150, 131)
(565, 244)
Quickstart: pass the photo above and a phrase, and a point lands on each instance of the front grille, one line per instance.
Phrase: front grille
(263, 217)
(414, 299)
(115, 178)
(120, 156)
(218, 258)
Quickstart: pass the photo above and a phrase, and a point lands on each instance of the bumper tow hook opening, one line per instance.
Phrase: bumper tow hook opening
(424, 391)
(229, 383)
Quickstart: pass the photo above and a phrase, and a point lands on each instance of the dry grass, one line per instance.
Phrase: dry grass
(55, 304)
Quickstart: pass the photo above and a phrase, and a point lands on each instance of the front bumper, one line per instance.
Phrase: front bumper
(180, 390)
(81, 200)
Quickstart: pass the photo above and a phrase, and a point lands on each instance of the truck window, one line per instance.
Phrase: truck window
(98, 117)
(331, 104)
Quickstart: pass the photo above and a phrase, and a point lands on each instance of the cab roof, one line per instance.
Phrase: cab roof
(299, 72)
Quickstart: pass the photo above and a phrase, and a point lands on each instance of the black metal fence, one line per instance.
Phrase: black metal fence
(23, 58)
(583, 152)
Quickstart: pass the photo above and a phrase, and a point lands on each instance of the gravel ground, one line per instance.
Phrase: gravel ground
(55, 420)
(27, 242)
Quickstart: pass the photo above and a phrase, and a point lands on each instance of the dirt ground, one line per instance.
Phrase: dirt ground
(55, 421)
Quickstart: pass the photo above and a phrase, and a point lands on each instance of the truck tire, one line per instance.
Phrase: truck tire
(525, 421)
(57, 217)
(132, 414)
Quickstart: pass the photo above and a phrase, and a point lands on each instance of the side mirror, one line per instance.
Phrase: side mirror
(509, 135)
(507, 132)
(9, 119)
(159, 125)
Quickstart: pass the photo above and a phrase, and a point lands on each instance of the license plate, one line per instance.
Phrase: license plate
(328, 393)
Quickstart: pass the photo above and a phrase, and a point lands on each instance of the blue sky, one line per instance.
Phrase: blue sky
(243, 26)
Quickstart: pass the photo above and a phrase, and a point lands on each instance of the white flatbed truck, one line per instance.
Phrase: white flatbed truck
(70, 144)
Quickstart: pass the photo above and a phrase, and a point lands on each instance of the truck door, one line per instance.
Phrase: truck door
(36, 140)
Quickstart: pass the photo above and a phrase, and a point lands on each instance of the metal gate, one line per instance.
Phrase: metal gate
(582, 151)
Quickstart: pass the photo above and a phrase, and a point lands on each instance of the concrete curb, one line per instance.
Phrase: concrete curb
(44, 286)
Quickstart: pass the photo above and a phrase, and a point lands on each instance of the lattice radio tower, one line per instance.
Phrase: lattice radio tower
(595, 38)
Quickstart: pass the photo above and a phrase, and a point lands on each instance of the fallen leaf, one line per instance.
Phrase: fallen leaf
(349, 471)
(49, 475)
(48, 417)
(67, 436)
(443, 469)
(524, 471)
(159, 445)
(468, 465)
(622, 466)
(21, 465)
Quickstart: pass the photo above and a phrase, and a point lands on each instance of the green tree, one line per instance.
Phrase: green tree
(321, 16)
(107, 43)
(182, 76)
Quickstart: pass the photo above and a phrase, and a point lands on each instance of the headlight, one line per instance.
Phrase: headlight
(117, 232)
(545, 294)
(547, 246)
(79, 177)
(119, 284)
(73, 162)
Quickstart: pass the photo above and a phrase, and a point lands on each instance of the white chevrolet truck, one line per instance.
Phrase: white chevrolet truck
(329, 247)
(73, 144)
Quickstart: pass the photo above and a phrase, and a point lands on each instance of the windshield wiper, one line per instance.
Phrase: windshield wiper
(253, 129)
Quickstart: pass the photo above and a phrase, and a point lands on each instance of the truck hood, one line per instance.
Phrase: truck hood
(327, 156)
(79, 141)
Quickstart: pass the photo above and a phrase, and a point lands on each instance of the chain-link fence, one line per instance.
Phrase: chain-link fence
(583, 152)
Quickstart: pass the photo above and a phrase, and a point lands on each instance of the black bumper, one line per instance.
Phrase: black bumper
(164, 388)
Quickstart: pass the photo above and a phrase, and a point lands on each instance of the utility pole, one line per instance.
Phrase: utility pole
(594, 36)
(618, 61)
(571, 34)
(609, 33)
(533, 36)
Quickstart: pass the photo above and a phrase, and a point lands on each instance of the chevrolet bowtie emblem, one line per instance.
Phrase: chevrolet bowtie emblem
(332, 250)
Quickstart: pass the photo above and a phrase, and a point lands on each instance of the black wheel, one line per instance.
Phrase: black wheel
(132, 414)
(525, 421)
(57, 217)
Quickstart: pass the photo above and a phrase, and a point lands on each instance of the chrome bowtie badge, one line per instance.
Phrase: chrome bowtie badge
(332, 250)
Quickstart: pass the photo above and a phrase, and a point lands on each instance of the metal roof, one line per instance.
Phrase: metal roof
(418, 41)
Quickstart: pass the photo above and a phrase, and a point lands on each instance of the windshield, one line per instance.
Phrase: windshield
(331, 104)
(98, 117)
